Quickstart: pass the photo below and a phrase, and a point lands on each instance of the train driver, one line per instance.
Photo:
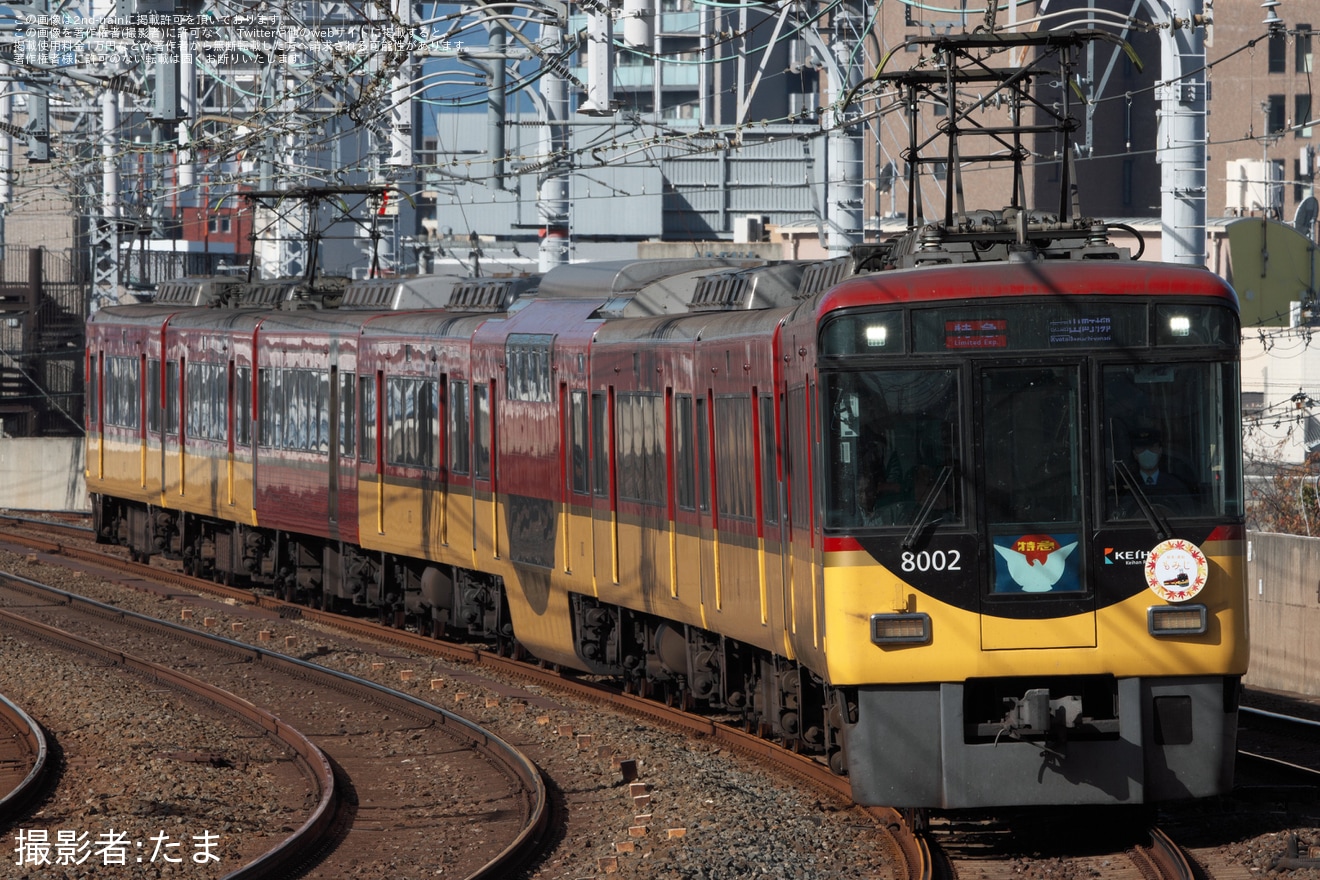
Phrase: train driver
(883, 498)
(1154, 472)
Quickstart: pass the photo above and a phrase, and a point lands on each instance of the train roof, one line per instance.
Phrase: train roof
(455, 293)
(1003, 279)
(427, 323)
(645, 288)
(215, 319)
(139, 314)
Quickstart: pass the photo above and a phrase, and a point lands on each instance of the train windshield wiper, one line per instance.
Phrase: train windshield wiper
(927, 504)
(1161, 526)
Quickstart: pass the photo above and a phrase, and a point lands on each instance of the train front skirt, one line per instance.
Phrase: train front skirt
(1175, 739)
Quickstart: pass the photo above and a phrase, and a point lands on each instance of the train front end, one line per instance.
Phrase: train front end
(1031, 547)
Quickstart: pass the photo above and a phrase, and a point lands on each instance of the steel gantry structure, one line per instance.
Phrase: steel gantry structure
(140, 109)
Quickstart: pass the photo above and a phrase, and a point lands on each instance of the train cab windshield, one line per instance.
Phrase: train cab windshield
(896, 432)
(1100, 415)
(1166, 446)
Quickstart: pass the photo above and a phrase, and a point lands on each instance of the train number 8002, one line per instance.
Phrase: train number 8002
(932, 560)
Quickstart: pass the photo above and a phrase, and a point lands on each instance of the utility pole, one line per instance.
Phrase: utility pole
(844, 188)
(552, 201)
(1180, 140)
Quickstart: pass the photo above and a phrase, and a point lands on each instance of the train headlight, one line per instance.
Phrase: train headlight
(900, 629)
(1176, 620)
(877, 336)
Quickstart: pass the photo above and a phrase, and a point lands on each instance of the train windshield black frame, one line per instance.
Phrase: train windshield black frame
(890, 435)
(1171, 433)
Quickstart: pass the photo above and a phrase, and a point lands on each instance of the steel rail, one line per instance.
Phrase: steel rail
(511, 759)
(315, 765)
(32, 750)
(908, 845)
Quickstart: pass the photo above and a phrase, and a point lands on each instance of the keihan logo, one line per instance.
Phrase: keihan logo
(1125, 557)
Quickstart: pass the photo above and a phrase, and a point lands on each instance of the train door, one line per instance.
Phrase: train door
(604, 520)
(171, 477)
(95, 441)
(485, 470)
(243, 498)
(440, 537)
(341, 385)
(687, 545)
(770, 515)
(332, 477)
(1030, 472)
(709, 555)
(460, 461)
(576, 478)
(343, 452)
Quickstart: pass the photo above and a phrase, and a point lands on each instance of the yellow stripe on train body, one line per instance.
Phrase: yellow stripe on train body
(1115, 640)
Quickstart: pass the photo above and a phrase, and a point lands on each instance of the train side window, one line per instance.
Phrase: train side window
(685, 485)
(528, 357)
(171, 398)
(153, 396)
(367, 423)
(599, 448)
(322, 411)
(264, 414)
(481, 434)
(639, 430)
(459, 439)
(347, 409)
(242, 406)
(578, 419)
(295, 425)
(121, 397)
(207, 402)
(300, 427)
(411, 416)
(735, 474)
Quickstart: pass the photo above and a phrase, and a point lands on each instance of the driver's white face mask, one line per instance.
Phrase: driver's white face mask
(1148, 458)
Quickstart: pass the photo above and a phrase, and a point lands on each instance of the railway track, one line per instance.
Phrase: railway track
(1278, 747)
(357, 726)
(24, 759)
(1104, 844)
(907, 852)
(1147, 854)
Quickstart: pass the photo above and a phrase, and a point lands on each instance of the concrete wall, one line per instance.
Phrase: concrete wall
(42, 474)
(1283, 592)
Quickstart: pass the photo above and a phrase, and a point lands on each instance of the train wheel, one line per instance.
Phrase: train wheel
(916, 820)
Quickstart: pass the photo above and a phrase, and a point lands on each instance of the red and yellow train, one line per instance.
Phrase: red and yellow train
(894, 508)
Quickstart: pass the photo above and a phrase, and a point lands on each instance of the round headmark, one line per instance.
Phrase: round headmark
(1176, 570)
